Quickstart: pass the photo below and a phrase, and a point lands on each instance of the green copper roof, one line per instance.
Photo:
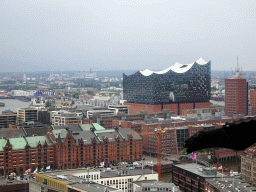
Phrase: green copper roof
(34, 141)
(98, 127)
(2, 144)
(62, 132)
(85, 127)
(18, 143)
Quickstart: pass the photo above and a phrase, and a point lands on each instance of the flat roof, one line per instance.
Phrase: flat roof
(226, 184)
(193, 168)
(67, 175)
(131, 172)
(154, 183)
(93, 187)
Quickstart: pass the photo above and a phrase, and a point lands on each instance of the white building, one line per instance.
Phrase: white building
(124, 178)
(21, 93)
(118, 108)
(62, 117)
(118, 180)
(101, 113)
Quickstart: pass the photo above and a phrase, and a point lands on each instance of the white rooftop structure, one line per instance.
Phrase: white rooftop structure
(238, 74)
(177, 68)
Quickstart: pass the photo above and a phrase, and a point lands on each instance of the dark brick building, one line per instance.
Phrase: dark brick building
(192, 177)
(236, 95)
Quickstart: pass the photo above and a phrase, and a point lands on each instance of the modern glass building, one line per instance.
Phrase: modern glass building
(180, 83)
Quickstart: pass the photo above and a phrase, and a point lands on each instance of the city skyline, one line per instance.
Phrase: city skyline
(125, 35)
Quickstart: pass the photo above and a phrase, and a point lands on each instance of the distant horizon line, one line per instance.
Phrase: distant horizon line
(97, 71)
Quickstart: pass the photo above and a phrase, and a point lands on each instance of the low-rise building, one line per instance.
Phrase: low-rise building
(7, 119)
(119, 109)
(59, 118)
(100, 113)
(21, 93)
(65, 181)
(248, 165)
(27, 114)
(147, 185)
(193, 177)
(116, 179)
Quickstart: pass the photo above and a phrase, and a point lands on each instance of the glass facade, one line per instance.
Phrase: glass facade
(192, 86)
(182, 136)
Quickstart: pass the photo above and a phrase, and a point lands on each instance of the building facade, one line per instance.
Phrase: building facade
(180, 84)
(27, 114)
(64, 148)
(248, 165)
(5, 120)
(252, 94)
(236, 95)
(192, 177)
(59, 118)
(19, 154)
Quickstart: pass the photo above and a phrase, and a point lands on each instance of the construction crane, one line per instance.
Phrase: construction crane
(158, 132)
(159, 151)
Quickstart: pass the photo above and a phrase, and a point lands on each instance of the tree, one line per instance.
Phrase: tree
(184, 151)
(65, 104)
(76, 95)
(47, 103)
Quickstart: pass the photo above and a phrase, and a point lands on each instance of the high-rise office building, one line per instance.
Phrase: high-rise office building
(179, 87)
(236, 94)
(252, 93)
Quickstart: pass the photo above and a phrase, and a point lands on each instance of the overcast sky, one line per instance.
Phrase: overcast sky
(126, 34)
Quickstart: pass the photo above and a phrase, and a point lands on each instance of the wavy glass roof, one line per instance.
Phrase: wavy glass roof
(177, 68)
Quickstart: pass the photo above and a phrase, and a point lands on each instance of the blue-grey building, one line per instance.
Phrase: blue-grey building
(180, 83)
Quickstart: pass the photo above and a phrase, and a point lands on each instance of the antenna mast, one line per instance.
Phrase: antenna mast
(237, 69)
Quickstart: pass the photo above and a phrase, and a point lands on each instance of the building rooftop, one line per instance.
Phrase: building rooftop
(38, 131)
(118, 172)
(34, 141)
(86, 127)
(18, 143)
(99, 133)
(230, 184)
(195, 168)
(74, 127)
(27, 109)
(98, 127)
(86, 136)
(11, 133)
(251, 150)
(94, 187)
(153, 183)
(177, 67)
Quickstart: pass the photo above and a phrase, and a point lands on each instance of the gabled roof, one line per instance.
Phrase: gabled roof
(110, 135)
(35, 131)
(251, 150)
(86, 127)
(34, 141)
(18, 143)
(86, 136)
(74, 127)
(11, 133)
(98, 127)
(126, 132)
(62, 132)
(2, 144)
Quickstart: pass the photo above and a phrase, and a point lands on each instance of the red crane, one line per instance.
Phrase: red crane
(159, 150)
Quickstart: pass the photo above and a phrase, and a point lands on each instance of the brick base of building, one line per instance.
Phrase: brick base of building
(134, 108)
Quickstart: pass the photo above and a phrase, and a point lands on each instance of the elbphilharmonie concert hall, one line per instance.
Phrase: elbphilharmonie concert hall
(180, 83)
